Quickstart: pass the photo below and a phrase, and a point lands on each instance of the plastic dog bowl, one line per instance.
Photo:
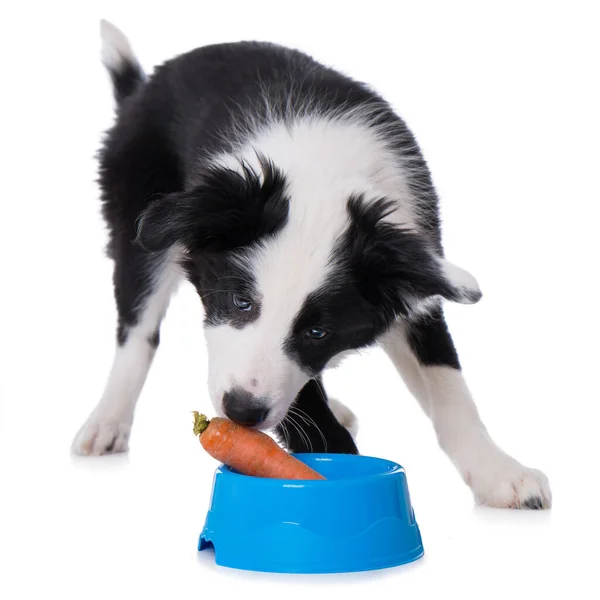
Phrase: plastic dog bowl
(359, 519)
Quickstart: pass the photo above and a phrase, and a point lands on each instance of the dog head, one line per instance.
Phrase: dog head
(292, 276)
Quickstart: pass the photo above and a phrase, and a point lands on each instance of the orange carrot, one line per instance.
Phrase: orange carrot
(248, 451)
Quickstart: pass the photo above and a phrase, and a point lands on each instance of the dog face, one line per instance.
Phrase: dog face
(293, 271)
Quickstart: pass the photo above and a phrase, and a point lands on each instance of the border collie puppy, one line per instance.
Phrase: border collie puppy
(300, 207)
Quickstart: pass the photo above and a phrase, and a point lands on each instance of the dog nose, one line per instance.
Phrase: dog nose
(243, 408)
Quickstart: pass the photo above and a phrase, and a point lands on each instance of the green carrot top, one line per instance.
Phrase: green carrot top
(201, 422)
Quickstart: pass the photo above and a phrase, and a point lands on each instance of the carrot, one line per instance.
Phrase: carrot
(248, 451)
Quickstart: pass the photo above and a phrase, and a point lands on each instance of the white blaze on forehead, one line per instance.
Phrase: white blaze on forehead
(329, 159)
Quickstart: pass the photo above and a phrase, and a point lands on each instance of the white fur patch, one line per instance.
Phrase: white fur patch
(116, 49)
(113, 417)
(462, 280)
(252, 358)
(326, 159)
(496, 478)
(345, 416)
(107, 428)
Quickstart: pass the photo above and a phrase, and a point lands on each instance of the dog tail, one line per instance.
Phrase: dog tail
(123, 67)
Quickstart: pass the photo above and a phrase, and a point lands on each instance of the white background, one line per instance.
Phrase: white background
(504, 100)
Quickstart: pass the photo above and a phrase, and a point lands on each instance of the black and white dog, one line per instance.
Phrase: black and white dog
(301, 209)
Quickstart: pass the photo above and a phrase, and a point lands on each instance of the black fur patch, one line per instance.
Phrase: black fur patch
(122, 333)
(379, 270)
(225, 212)
(431, 342)
(217, 277)
(136, 164)
(126, 79)
(219, 222)
(391, 266)
(154, 339)
(534, 503)
(110, 446)
(349, 320)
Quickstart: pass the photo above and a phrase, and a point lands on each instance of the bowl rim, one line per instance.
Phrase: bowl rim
(395, 469)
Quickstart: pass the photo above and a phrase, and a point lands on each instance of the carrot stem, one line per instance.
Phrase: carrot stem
(201, 422)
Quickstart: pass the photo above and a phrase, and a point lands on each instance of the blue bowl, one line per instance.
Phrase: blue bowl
(359, 519)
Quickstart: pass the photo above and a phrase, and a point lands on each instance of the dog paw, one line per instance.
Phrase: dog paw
(345, 416)
(102, 436)
(508, 484)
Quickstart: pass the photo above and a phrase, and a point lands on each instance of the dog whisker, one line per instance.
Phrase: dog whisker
(303, 435)
(286, 435)
(309, 421)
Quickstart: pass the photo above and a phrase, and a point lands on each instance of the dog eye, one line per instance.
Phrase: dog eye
(316, 333)
(242, 303)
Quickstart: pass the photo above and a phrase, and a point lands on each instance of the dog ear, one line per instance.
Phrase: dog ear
(227, 210)
(458, 284)
(395, 267)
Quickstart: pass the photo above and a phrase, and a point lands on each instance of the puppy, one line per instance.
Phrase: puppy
(300, 207)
